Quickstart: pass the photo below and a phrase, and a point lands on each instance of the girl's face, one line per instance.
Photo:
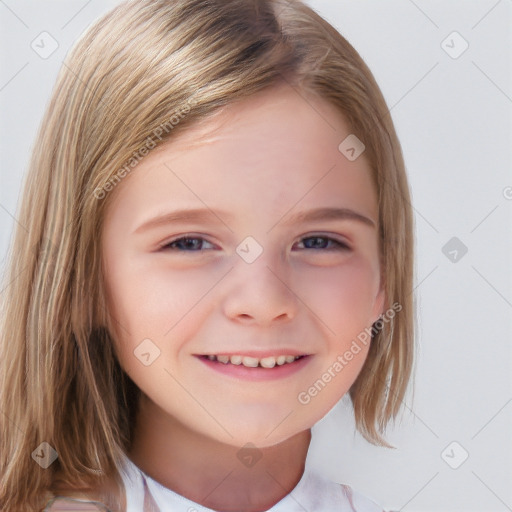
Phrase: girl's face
(276, 258)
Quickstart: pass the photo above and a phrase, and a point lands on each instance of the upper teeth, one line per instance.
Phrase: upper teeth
(253, 362)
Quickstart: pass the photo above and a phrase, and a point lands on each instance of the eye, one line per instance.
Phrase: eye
(322, 242)
(185, 243)
(196, 244)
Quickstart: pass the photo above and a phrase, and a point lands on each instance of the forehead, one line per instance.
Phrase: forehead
(281, 109)
(273, 150)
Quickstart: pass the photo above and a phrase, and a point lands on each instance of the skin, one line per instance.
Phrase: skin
(260, 160)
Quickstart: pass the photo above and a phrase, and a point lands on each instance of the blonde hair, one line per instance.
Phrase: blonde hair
(157, 67)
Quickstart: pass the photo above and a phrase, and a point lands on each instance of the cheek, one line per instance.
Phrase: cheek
(343, 296)
(149, 300)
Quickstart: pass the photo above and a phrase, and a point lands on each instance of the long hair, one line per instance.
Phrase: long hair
(144, 72)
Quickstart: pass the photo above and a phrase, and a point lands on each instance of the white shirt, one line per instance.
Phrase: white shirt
(313, 493)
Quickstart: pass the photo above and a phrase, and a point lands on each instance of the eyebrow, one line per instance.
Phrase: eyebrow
(215, 216)
(329, 213)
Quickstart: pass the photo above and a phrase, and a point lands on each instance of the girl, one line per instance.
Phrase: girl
(215, 246)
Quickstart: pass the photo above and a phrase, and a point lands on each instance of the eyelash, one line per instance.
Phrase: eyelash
(340, 246)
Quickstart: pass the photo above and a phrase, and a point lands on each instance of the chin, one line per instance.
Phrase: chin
(261, 427)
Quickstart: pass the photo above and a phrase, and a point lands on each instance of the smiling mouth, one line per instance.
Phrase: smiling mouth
(254, 362)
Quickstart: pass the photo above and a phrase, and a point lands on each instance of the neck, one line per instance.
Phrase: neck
(214, 474)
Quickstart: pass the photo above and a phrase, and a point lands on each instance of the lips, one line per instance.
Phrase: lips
(254, 362)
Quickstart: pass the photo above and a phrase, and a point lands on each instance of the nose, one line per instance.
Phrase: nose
(259, 293)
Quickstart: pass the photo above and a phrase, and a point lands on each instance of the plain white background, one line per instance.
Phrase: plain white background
(452, 108)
